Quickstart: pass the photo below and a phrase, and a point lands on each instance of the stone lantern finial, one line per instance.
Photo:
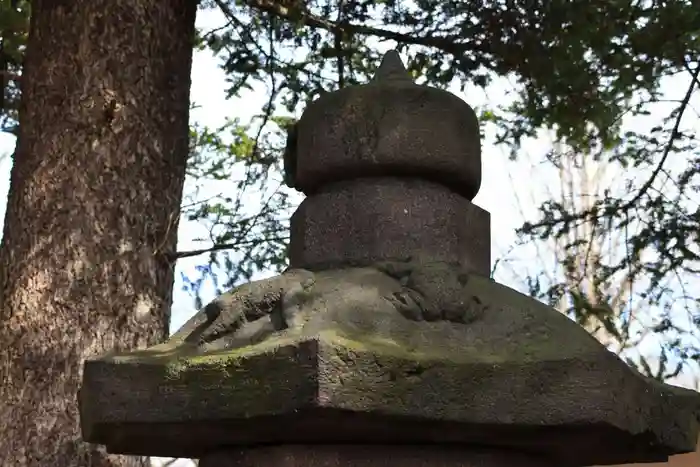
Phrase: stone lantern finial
(392, 69)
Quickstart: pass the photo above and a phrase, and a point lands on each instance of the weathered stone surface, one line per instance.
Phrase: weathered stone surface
(397, 353)
(390, 127)
(372, 219)
(371, 456)
(392, 334)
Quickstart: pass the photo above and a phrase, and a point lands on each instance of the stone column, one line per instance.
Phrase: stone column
(386, 343)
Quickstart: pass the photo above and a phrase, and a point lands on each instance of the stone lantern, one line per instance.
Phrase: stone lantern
(385, 343)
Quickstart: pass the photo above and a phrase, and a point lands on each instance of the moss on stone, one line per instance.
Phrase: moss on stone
(178, 364)
(513, 328)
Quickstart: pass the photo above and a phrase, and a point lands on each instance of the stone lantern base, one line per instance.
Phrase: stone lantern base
(356, 356)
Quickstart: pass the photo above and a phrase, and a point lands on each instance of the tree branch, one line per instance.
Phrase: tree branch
(299, 15)
(667, 150)
(649, 182)
(223, 246)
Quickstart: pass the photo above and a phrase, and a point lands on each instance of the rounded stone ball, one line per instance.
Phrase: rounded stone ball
(388, 128)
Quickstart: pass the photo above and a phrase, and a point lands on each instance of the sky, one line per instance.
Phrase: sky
(510, 191)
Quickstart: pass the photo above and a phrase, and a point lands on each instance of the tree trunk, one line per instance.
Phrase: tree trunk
(92, 212)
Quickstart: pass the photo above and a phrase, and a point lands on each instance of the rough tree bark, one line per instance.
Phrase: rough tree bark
(92, 212)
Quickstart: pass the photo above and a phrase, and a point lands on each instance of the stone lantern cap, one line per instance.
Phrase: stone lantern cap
(389, 127)
(386, 329)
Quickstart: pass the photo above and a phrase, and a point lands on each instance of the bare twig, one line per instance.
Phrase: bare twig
(224, 246)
